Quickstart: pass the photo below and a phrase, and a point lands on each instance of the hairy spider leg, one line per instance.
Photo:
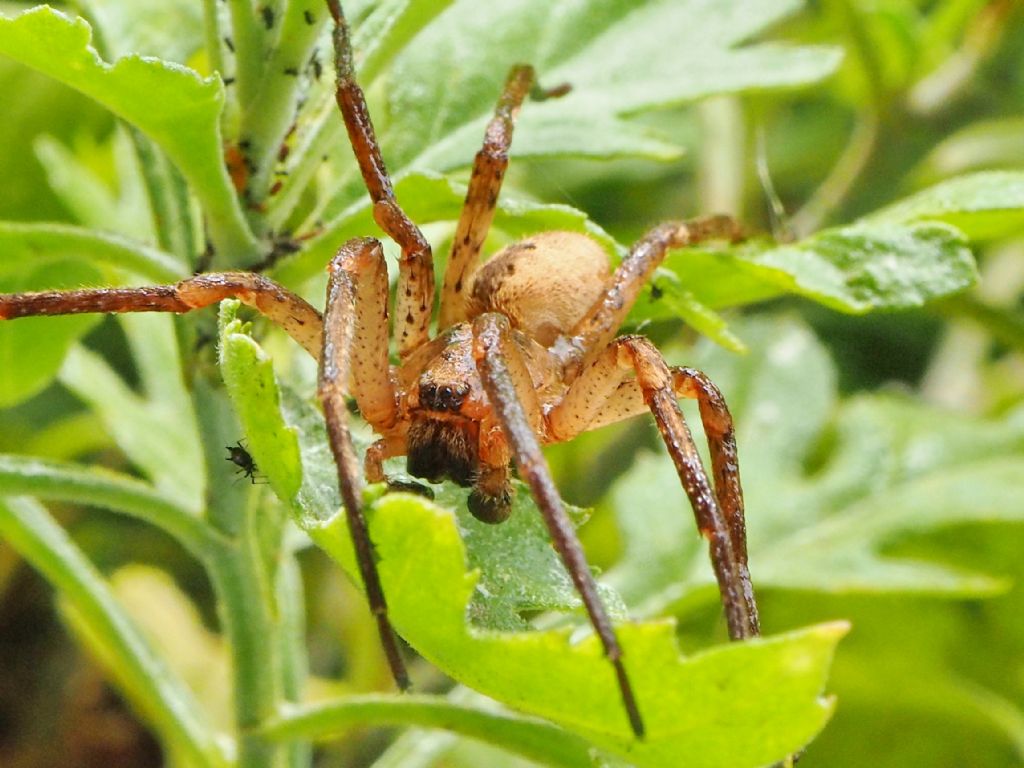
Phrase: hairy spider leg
(598, 395)
(601, 396)
(482, 196)
(362, 262)
(296, 316)
(601, 323)
(507, 383)
(346, 287)
(414, 299)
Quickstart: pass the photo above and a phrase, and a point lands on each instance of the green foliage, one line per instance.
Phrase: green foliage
(899, 509)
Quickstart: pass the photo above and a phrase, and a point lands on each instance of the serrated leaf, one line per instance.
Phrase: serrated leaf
(982, 205)
(619, 57)
(742, 704)
(168, 102)
(862, 267)
(827, 489)
(249, 377)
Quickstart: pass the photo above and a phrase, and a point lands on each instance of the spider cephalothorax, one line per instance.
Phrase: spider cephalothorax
(525, 353)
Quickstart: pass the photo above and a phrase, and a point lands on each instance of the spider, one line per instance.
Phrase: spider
(525, 353)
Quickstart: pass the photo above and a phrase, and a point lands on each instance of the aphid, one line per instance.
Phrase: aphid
(309, 17)
(291, 71)
(230, 45)
(525, 353)
(267, 13)
(240, 457)
(238, 165)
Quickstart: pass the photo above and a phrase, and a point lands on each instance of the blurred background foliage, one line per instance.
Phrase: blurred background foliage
(932, 673)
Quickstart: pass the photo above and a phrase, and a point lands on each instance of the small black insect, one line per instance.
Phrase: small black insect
(240, 457)
(309, 17)
(228, 42)
(268, 16)
(291, 71)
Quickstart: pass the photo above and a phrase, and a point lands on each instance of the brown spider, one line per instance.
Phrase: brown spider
(525, 353)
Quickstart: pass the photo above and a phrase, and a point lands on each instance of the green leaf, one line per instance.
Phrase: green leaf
(169, 103)
(529, 738)
(99, 487)
(249, 377)
(862, 267)
(156, 435)
(170, 29)
(110, 634)
(387, 29)
(742, 704)
(617, 56)
(986, 144)
(30, 245)
(829, 487)
(983, 205)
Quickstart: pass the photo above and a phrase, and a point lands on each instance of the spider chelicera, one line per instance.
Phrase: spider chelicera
(525, 353)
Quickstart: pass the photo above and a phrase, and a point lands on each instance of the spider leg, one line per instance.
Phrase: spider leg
(598, 327)
(337, 366)
(414, 300)
(298, 318)
(481, 197)
(505, 379)
(600, 396)
(362, 261)
(628, 400)
(373, 463)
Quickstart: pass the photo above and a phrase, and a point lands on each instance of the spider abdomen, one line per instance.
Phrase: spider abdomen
(544, 284)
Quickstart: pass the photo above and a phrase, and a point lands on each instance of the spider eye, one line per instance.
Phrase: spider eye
(442, 397)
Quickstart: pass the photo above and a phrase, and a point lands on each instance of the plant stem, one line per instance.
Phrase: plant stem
(248, 629)
(267, 120)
